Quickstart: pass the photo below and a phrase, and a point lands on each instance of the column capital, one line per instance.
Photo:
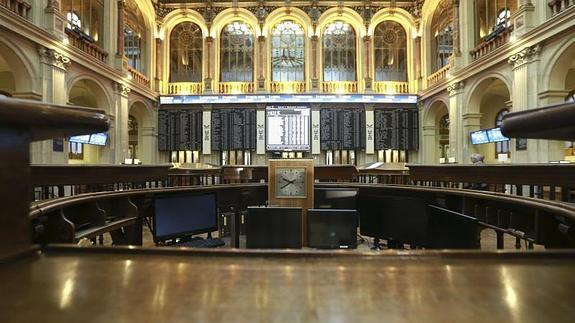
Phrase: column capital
(455, 88)
(526, 55)
(52, 57)
(121, 88)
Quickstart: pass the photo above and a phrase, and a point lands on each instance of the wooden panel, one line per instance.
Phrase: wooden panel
(303, 202)
(44, 175)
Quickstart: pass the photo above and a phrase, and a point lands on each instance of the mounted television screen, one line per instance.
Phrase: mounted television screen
(479, 137)
(99, 139)
(495, 135)
(288, 128)
(84, 139)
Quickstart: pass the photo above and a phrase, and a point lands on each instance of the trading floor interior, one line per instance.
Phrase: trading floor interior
(287, 161)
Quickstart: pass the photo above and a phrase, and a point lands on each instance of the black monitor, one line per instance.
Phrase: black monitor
(400, 218)
(274, 227)
(177, 216)
(332, 228)
(451, 230)
(335, 198)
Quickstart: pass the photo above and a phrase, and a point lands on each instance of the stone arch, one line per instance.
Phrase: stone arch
(560, 67)
(433, 141)
(94, 92)
(479, 86)
(149, 14)
(16, 72)
(144, 138)
(427, 12)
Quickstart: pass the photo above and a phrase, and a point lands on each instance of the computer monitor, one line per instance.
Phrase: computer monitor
(99, 139)
(451, 230)
(177, 216)
(403, 219)
(495, 135)
(479, 137)
(332, 228)
(335, 198)
(83, 139)
(274, 227)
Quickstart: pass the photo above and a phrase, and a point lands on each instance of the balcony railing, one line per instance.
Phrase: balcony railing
(558, 6)
(82, 42)
(139, 77)
(438, 76)
(339, 87)
(236, 87)
(287, 87)
(185, 88)
(389, 87)
(19, 7)
(495, 41)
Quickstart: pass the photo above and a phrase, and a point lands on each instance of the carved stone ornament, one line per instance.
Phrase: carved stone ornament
(524, 56)
(455, 88)
(51, 57)
(121, 88)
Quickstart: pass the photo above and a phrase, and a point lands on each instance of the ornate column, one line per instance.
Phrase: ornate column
(261, 64)
(54, 66)
(120, 43)
(368, 54)
(119, 127)
(209, 65)
(159, 65)
(458, 143)
(315, 87)
(55, 20)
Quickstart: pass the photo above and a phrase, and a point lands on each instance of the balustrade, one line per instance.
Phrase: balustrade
(438, 76)
(19, 7)
(185, 88)
(236, 87)
(558, 6)
(287, 87)
(494, 42)
(81, 42)
(139, 77)
(339, 87)
(389, 87)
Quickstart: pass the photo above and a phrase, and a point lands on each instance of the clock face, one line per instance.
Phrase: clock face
(290, 182)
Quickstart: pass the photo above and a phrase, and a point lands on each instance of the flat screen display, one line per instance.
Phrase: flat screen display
(274, 227)
(288, 128)
(181, 215)
(495, 135)
(99, 139)
(84, 139)
(479, 137)
(332, 229)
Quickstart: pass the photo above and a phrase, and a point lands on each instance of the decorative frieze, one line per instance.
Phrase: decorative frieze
(51, 57)
(526, 55)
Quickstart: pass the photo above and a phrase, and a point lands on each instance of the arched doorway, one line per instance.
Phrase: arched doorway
(491, 100)
(436, 133)
(141, 133)
(88, 93)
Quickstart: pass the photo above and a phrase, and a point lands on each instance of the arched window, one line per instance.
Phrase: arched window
(493, 17)
(288, 48)
(442, 34)
(85, 17)
(390, 44)
(444, 136)
(186, 53)
(237, 53)
(339, 52)
(134, 36)
(501, 147)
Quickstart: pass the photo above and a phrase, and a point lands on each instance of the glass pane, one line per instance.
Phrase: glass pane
(339, 52)
(237, 48)
(186, 53)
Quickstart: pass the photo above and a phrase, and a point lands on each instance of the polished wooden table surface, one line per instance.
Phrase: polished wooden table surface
(171, 285)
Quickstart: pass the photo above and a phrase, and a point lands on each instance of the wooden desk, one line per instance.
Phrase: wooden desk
(171, 285)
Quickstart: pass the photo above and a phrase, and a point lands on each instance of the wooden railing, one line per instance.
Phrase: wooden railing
(19, 7)
(185, 88)
(77, 40)
(287, 87)
(438, 76)
(139, 77)
(389, 87)
(236, 87)
(488, 46)
(339, 87)
(558, 6)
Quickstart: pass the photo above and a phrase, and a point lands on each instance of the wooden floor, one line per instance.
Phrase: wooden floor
(171, 285)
